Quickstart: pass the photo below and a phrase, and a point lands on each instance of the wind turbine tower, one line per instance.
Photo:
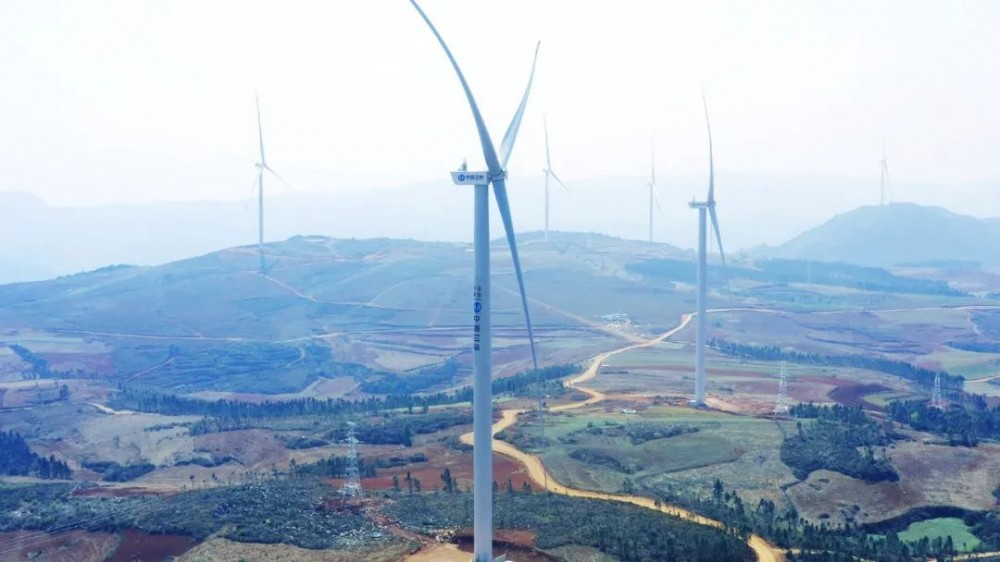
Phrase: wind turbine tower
(654, 197)
(549, 173)
(705, 209)
(482, 401)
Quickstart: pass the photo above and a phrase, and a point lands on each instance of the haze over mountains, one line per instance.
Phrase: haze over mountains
(896, 234)
(44, 241)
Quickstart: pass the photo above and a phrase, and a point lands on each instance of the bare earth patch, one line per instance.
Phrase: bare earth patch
(222, 550)
(929, 475)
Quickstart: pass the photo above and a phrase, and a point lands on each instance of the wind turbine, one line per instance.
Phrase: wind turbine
(653, 195)
(704, 208)
(549, 173)
(482, 406)
(885, 176)
(261, 168)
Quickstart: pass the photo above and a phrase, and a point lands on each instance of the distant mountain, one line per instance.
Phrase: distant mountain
(42, 240)
(900, 233)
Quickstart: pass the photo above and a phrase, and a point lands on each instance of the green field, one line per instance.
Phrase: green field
(953, 527)
(882, 399)
(741, 451)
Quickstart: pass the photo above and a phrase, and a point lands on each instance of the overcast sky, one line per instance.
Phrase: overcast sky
(151, 101)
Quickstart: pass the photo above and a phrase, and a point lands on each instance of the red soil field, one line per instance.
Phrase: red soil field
(854, 396)
(429, 473)
(138, 546)
(515, 545)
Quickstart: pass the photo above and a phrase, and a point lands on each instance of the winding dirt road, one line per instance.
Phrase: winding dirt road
(536, 470)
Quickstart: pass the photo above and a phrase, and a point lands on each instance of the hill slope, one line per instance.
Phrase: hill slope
(895, 234)
(325, 309)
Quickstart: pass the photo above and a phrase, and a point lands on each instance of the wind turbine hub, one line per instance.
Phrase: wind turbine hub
(464, 177)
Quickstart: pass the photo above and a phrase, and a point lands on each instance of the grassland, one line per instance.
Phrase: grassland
(942, 527)
(740, 450)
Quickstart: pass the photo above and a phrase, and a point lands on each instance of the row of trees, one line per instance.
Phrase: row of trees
(332, 467)
(900, 369)
(783, 271)
(144, 400)
(621, 531)
(17, 459)
(960, 425)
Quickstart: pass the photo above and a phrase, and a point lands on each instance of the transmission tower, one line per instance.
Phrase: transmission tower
(352, 484)
(782, 405)
(937, 398)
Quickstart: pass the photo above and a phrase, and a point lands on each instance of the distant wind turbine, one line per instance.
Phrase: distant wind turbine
(261, 168)
(549, 173)
(482, 407)
(654, 197)
(885, 176)
(704, 208)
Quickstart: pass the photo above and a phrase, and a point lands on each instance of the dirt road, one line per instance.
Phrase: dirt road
(537, 471)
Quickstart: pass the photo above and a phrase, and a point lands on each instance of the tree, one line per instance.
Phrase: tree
(449, 484)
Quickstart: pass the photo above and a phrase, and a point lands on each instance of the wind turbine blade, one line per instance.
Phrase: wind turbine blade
(507, 145)
(500, 191)
(275, 174)
(489, 152)
(711, 163)
(493, 163)
(718, 235)
(559, 181)
(656, 196)
(260, 130)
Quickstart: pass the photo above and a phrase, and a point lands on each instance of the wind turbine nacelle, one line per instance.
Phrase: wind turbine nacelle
(462, 177)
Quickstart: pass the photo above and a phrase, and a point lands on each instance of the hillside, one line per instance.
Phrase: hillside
(326, 309)
(345, 314)
(900, 233)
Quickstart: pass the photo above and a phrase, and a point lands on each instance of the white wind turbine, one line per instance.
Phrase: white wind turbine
(549, 173)
(261, 168)
(654, 197)
(482, 390)
(705, 208)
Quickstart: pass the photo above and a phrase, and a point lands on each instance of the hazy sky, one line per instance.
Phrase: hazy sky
(141, 101)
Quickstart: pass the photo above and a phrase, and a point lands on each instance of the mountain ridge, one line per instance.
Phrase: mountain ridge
(894, 234)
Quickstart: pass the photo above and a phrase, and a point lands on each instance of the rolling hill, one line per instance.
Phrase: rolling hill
(344, 314)
(325, 309)
(900, 233)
